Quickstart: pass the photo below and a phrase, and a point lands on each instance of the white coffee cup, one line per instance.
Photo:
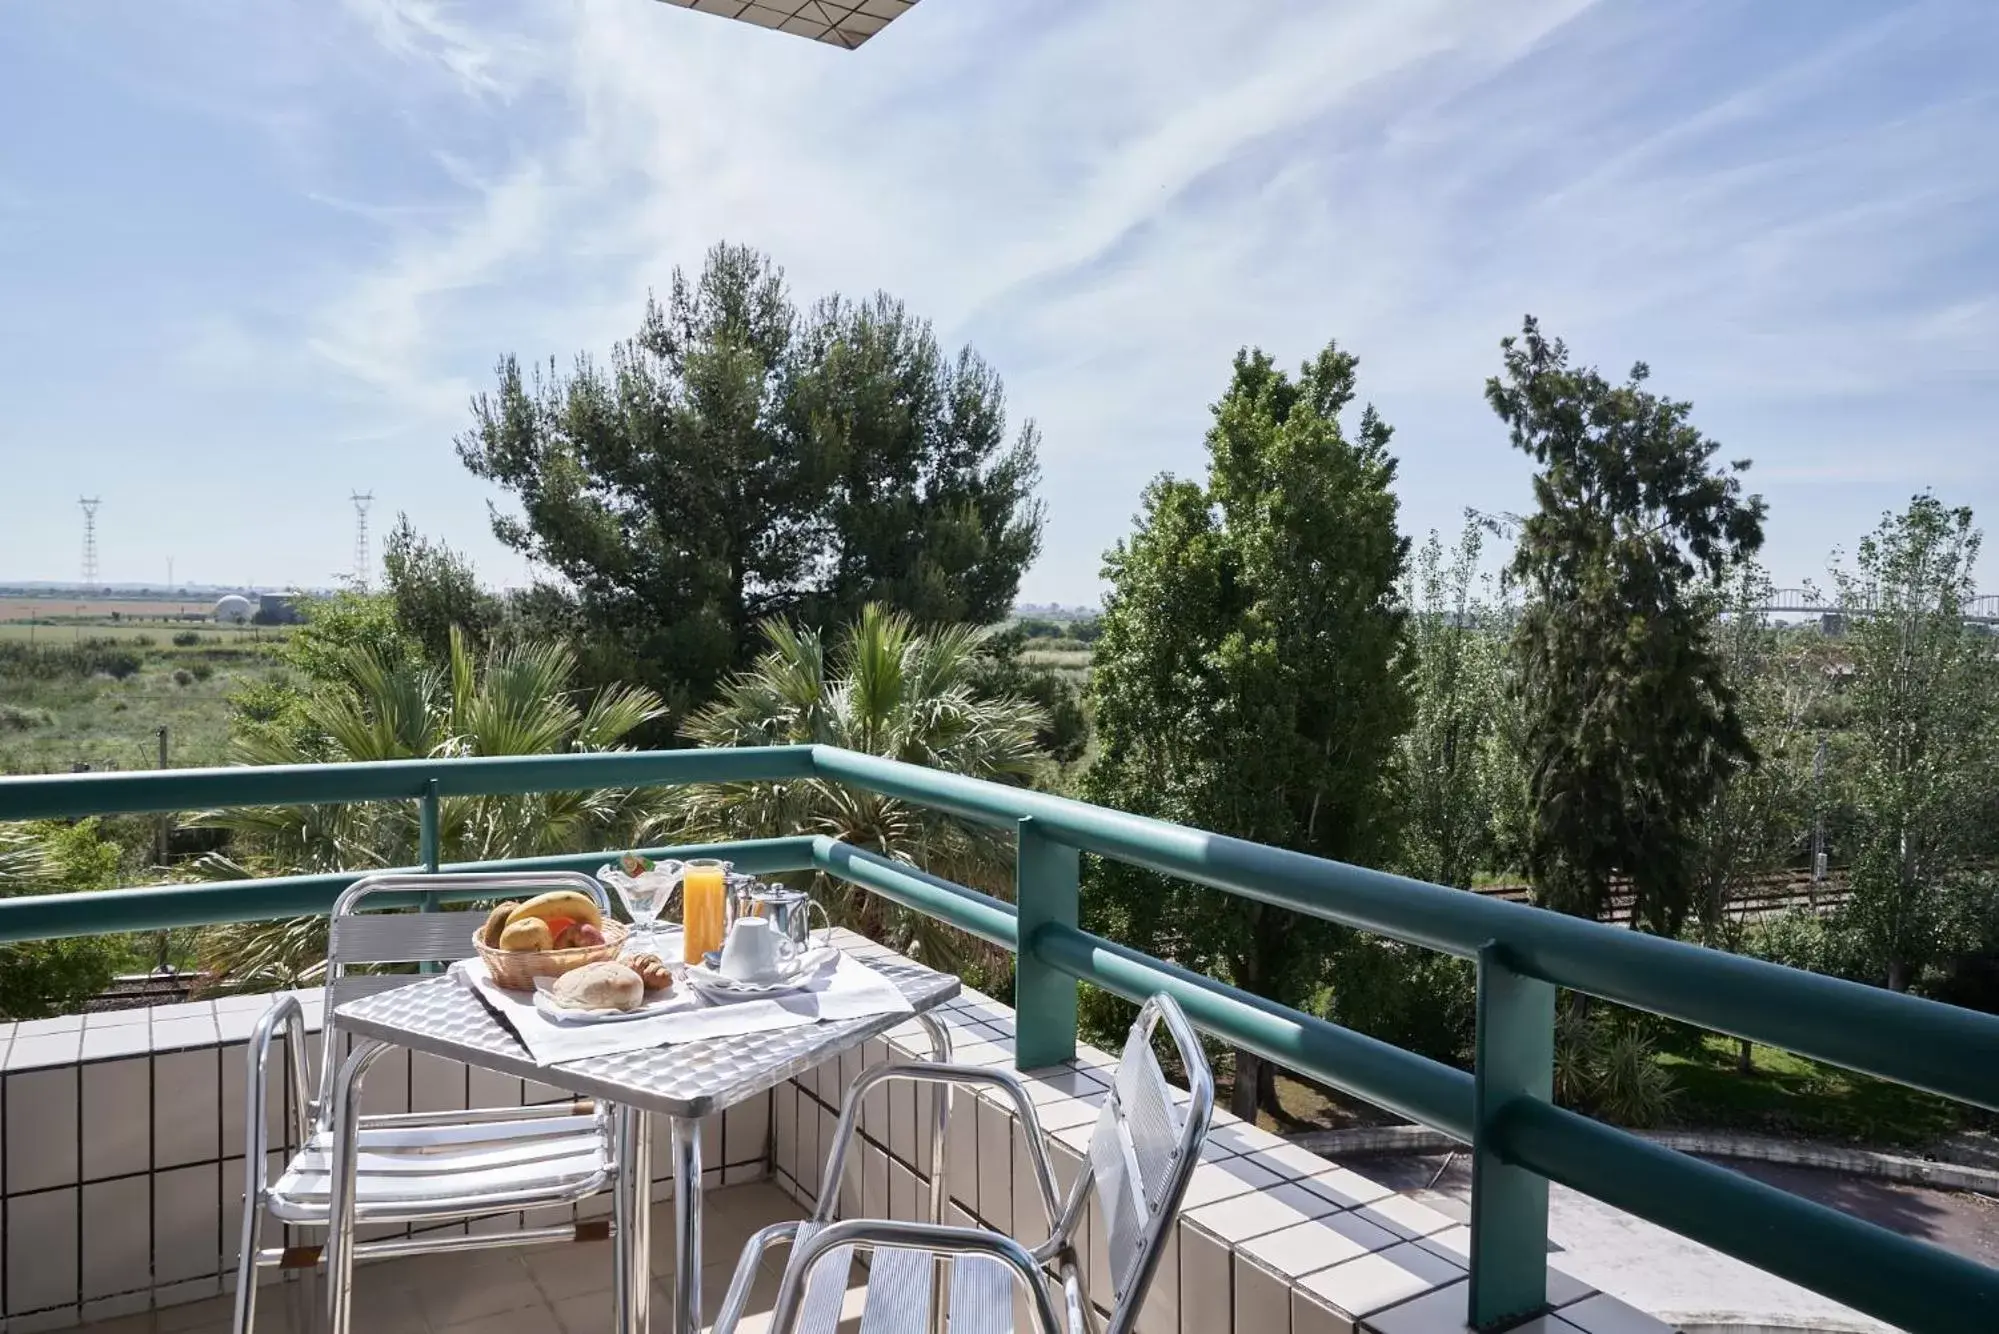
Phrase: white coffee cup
(753, 952)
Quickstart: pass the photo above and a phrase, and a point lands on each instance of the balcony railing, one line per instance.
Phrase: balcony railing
(1520, 1140)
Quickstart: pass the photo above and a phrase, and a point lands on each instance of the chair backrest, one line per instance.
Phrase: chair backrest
(357, 936)
(1143, 1152)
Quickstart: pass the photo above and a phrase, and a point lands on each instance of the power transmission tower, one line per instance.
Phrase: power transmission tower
(89, 504)
(361, 503)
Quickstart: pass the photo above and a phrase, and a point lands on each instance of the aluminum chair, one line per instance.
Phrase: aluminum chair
(1141, 1156)
(416, 1167)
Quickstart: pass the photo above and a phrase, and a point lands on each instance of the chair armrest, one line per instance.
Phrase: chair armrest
(257, 1054)
(936, 1072)
(745, 1276)
(928, 1238)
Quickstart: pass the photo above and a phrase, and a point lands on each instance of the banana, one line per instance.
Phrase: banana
(559, 903)
(530, 933)
(496, 922)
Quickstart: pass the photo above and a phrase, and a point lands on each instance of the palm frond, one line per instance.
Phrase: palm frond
(890, 689)
(520, 701)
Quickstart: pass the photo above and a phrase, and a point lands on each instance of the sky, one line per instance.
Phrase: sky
(256, 255)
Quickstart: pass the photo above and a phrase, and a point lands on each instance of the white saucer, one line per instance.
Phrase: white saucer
(707, 979)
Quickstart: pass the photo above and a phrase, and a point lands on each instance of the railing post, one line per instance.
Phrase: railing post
(1509, 1205)
(427, 850)
(1046, 876)
(427, 829)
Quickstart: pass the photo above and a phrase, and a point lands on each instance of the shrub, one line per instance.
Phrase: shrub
(53, 662)
(183, 677)
(1608, 1064)
(1632, 1088)
(17, 719)
(50, 977)
(202, 670)
(1415, 998)
(186, 638)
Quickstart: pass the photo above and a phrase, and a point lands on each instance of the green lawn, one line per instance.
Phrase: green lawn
(1785, 1094)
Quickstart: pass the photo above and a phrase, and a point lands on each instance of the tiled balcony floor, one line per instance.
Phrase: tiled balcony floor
(559, 1289)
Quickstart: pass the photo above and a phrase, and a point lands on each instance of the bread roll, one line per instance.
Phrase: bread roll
(599, 986)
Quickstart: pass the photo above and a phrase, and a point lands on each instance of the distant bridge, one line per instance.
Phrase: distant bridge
(1980, 610)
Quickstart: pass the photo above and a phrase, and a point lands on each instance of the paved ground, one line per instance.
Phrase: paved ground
(560, 1289)
(1683, 1282)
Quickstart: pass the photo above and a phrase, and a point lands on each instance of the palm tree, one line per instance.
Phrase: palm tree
(520, 701)
(887, 688)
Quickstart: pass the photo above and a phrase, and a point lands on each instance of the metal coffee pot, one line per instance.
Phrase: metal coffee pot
(789, 911)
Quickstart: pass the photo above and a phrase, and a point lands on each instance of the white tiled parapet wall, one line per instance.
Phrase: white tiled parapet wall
(1272, 1239)
(121, 1176)
(121, 1153)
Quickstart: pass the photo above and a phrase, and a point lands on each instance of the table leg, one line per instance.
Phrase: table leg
(345, 1127)
(631, 1226)
(686, 1225)
(940, 1119)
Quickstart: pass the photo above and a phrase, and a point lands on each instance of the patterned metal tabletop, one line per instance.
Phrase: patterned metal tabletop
(689, 1079)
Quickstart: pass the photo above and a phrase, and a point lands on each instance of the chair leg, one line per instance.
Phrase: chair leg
(303, 1301)
(941, 1099)
(246, 1265)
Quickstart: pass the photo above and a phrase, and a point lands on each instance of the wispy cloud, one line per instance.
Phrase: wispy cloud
(482, 59)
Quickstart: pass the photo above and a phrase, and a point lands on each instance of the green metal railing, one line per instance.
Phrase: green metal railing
(1520, 1140)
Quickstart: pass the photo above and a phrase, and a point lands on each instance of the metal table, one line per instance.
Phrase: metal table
(685, 1082)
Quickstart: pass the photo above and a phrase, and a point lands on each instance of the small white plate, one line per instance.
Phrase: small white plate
(709, 980)
(544, 1003)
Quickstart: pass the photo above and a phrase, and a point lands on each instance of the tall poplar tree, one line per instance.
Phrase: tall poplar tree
(1247, 680)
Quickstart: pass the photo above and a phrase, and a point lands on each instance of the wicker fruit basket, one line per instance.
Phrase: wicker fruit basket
(516, 970)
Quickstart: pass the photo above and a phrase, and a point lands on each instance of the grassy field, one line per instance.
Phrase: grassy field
(49, 724)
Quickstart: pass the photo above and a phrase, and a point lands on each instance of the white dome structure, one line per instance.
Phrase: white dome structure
(235, 609)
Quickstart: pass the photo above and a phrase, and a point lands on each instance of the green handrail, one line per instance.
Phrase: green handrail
(1940, 1048)
(209, 902)
(70, 796)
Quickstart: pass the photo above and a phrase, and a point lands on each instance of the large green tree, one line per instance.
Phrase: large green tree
(1247, 678)
(1923, 721)
(929, 509)
(1632, 726)
(739, 460)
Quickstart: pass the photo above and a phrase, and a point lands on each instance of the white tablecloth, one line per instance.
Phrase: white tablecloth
(842, 988)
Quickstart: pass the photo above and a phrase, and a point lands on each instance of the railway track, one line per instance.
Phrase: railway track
(1763, 896)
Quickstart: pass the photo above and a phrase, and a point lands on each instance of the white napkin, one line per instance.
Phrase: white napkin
(842, 988)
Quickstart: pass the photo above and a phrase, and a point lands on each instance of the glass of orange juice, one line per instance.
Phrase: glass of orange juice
(702, 898)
